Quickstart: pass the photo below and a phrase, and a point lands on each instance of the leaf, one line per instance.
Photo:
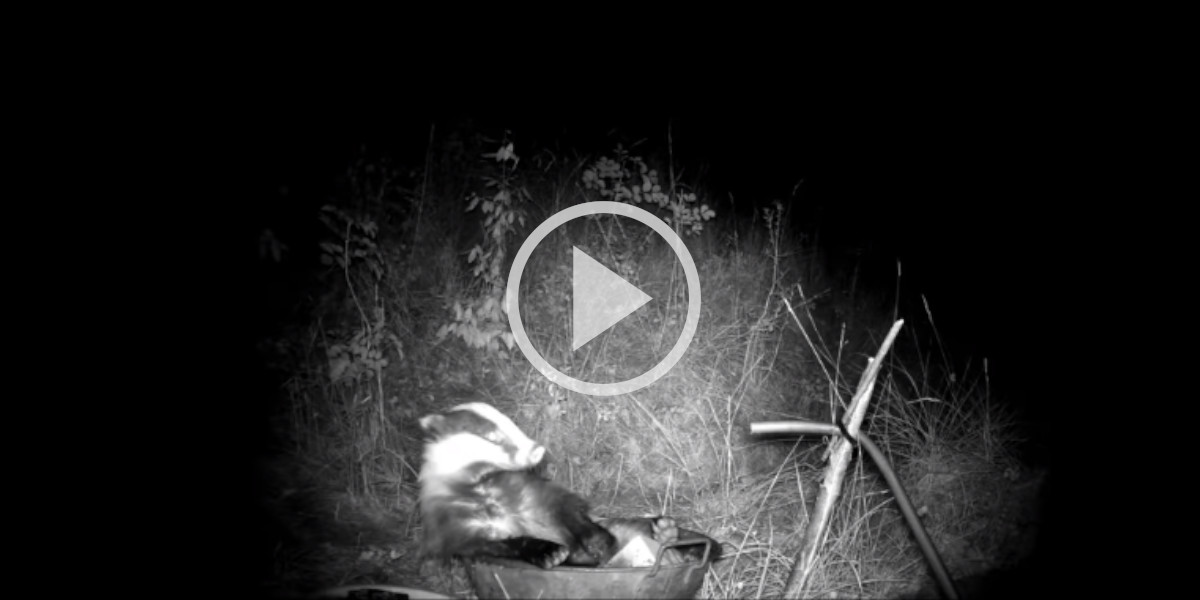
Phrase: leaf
(337, 368)
(504, 153)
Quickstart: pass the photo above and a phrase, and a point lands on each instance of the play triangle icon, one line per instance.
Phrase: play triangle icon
(599, 298)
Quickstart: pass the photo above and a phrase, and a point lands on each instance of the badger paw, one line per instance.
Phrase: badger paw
(665, 530)
(595, 548)
(553, 558)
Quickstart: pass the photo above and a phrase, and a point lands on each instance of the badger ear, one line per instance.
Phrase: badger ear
(432, 423)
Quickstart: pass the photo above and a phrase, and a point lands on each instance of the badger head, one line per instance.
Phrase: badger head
(472, 439)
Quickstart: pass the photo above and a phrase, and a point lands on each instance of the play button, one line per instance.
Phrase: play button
(599, 298)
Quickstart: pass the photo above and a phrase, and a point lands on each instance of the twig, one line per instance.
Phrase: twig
(839, 459)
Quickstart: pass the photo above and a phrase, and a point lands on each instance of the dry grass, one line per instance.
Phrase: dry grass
(342, 484)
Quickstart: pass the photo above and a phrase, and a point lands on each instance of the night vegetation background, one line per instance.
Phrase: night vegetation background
(944, 184)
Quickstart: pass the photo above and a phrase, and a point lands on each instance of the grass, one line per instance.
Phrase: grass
(342, 478)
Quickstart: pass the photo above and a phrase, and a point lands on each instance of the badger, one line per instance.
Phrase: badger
(481, 497)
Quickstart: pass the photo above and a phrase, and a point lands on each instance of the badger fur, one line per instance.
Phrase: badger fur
(479, 497)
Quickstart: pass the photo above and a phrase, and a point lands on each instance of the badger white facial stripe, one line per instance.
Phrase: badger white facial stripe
(454, 453)
(529, 452)
(503, 423)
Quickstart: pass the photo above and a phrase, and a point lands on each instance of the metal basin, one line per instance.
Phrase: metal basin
(502, 578)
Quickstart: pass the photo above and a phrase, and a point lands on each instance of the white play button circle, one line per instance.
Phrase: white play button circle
(601, 298)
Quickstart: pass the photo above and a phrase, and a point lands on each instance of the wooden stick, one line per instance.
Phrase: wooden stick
(835, 473)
